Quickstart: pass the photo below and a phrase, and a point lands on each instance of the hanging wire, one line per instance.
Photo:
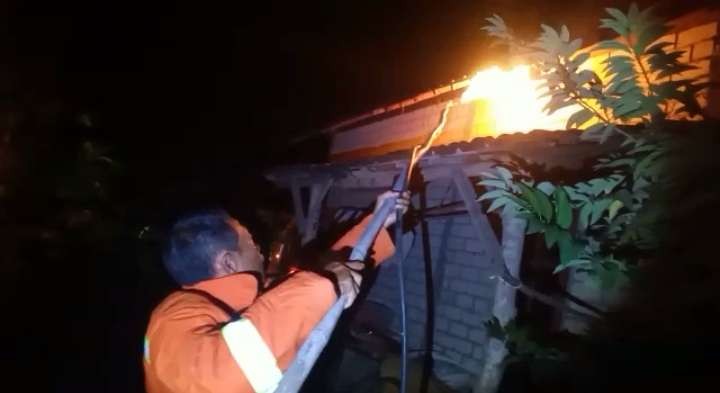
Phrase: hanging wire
(401, 288)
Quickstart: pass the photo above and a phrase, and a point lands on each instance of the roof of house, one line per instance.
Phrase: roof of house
(562, 149)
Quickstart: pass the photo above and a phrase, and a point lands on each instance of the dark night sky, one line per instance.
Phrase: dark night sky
(187, 68)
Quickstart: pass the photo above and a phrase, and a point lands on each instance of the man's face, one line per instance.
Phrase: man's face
(250, 258)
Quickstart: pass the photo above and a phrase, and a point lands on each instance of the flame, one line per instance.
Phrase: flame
(513, 102)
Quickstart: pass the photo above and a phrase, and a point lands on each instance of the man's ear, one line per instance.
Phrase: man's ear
(227, 262)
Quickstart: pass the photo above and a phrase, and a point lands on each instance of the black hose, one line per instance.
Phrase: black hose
(401, 287)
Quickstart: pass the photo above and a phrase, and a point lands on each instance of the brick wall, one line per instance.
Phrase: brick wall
(461, 269)
(700, 44)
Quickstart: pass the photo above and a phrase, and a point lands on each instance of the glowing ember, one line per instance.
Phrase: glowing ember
(514, 105)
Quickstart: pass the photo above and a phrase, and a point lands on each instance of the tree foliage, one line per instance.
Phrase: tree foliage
(642, 79)
(602, 225)
(520, 342)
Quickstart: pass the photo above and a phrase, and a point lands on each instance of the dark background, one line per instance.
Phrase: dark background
(193, 100)
(232, 81)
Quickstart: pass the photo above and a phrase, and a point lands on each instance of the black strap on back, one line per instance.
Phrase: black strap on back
(233, 315)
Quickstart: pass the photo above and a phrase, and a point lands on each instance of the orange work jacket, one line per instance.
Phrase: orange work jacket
(190, 347)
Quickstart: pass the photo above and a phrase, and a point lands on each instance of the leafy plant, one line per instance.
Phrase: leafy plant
(602, 224)
(520, 342)
(642, 79)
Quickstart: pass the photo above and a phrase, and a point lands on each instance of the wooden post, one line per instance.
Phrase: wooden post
(509, 255)
(317, 195)
(513, 238)
(712, 110)
(295, 189)
(478, 219)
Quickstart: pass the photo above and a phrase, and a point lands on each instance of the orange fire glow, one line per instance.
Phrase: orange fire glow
(513, 101)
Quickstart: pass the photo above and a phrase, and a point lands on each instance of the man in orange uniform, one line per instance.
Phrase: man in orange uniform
(216, 334)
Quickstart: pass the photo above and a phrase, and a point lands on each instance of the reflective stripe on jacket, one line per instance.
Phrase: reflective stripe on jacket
(190, 347)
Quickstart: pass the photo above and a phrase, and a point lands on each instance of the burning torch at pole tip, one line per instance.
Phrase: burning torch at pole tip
(420, 150)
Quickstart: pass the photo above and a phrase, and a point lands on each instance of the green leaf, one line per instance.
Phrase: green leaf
(598, 185)
(646, 13)
(643, 165)
(584, 187)
(568, 248)
(650, 34)
(585, 76)
(550, 40)
(493, 183)
(620, 63)
(595, 132)
(612, 44)
(527, 194)
(497, 28)
(618, 15)
(625, 197)
(615, 206)
(626, 86)
(584, 216)
(575, 195)
(492, 194)
(628, 104)
(563, 211)
(534, 225)
(571, 263)
(612, 181)
(557, 102)
(489, 175)
(626, 142)
(617, 163)
(639, 184)
(521, 203)
(572, 47)
(510, 210)
(609, 274)
(633, 12)
(546, 187)
(497, 203)
(593, 129)
(552, 93)
(564, 33)
(550, 32)
(598, 208)
(579, 118)
(504, 173)
(614, 25)
(551, 236)
(546, 208)
(606, 133)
